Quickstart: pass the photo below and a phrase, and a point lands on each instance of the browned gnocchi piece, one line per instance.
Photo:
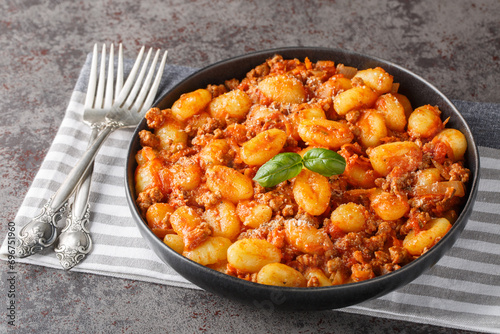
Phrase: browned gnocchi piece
(455, 141)
(416, 243)
(229, 183)
(377, 79)
(425, 122)
(233, 104)
(356, 98)
(393, 111)
(250, 255)
(405, 155)
(324, 133)
(349, 217)
(312, 192)
(190, 104)
(306, 237)
(279, 274)
(372, 128)
(283, 88)
(261, 148)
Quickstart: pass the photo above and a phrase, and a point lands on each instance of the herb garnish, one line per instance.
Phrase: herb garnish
(285, 166)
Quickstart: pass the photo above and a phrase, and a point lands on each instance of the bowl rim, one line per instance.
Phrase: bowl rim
(440, 248)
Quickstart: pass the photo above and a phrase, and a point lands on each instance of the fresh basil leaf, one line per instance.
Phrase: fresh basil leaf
(324, 162)
(281, 167)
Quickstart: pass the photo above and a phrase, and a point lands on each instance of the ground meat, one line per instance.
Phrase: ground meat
(459, 173)
(155, 117)
(362, 272)
(399, 255)
(196, 236)
(148, 198)
(206, 198)
(149, 139)
(277, 237)
(313, 282)
(216, 90)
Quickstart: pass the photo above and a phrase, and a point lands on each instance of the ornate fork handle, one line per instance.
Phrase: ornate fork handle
(41, 232)
(74, 241)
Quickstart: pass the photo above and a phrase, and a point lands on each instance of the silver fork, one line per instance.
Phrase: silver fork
(129, 108)
(74, 242)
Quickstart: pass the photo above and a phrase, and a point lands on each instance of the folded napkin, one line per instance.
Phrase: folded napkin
(461, 291)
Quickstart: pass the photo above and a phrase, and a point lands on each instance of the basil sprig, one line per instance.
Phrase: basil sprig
(288, 165)
(324, 162)
(281, 167)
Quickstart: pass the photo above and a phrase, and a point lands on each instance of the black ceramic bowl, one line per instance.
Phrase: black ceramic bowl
(269, 297)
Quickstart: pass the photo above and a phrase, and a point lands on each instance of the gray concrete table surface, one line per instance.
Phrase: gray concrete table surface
(454, 44)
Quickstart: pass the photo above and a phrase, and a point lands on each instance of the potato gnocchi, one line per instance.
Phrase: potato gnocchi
(403, 184)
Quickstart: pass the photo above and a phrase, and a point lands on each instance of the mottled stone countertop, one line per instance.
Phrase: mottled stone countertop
(453, 44)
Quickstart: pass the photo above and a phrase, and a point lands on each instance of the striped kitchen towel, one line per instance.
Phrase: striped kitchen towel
(461, 291)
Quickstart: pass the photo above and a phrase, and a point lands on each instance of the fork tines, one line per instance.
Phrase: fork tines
(97, 96)
(138, 93)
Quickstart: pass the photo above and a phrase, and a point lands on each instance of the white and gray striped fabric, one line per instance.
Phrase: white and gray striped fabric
(461, 291)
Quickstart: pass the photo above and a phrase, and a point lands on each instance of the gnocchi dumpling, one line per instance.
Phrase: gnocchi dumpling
(215, 152)
(261, 148)
(253, 214)
(211, 251)
(233, 104)
(455, 140)
(171, 134)
(405, 155)
(312, 192)
(425, 122)
(187, 223)
(377, 79)
(279, 274)
(324, 133)
(190, 104)
(318, 275)
(157, 216)
(250, 255)
(175, 242)
(372, 128)
(416, 243)
(349, 217)
(229, 183)
(223, 220)
(393, 111)
(306, 237)
(147, 175)
(356, 98)
(283, 88)
(388, 206)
